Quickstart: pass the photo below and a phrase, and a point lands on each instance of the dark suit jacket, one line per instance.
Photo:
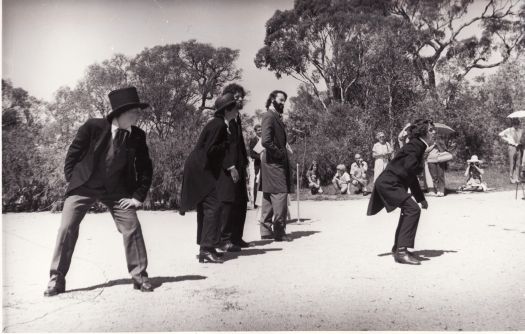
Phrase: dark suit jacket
(88, 147)
(205, 164)
(390, 189)
(275, 166)
(229, 191)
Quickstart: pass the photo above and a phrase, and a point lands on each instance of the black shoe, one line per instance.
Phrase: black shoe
(243, 244)
(266, 237)
(209, 257)
(405, 257)
(144, 286)
(283, 238)
(366, 193)
(54, 290)
(229, 247)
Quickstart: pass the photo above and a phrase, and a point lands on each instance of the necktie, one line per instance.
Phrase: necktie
(120, 137)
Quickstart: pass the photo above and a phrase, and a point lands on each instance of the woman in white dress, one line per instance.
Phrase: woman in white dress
(382, 153)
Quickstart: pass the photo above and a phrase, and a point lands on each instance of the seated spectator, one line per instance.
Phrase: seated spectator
(313, 180)
(341, 179)
(474, 176)
(359, 180)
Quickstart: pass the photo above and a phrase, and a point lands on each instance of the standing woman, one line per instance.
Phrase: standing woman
(390, 189)
(381, 152)
(201, 173)
(437, 168)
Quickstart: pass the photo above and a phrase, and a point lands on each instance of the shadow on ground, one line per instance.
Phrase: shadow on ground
(248, 252)
(296, 221)
(155, 282)
(424, 255)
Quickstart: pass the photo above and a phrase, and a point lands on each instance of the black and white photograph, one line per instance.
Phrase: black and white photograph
(263, 165)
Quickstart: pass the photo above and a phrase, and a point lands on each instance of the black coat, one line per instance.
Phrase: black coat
(205, 164)
(88, 147)
(235, 155)
(275, 165)
(390, 188)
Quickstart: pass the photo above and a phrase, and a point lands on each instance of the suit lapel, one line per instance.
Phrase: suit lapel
(106, 131)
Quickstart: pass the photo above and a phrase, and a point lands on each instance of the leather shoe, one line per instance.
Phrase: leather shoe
(266, 237)
(243, 244)
(54, 290)
(283, 238)
(209, 257)
(144, 286)
(405, 257)
(229, 247)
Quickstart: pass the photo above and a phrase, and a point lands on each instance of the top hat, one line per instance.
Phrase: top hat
(224, 101)
(124, 99)
(474, 158)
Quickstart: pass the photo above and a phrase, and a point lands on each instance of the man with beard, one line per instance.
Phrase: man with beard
(232, 182)
(275, 170)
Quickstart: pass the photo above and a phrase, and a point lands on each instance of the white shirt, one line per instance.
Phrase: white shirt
(115, 127)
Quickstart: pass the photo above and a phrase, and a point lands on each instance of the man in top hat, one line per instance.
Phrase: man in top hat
(107, 161)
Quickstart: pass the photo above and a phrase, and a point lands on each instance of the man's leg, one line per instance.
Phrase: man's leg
(266, 217)
(433, 170)
(226, 222)
(408, 222)
(74, 210)
(128, 225)
(239, 219)
(512, 163)
(280, 208)
(344, 188)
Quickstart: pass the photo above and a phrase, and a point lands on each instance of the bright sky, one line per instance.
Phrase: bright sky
(50, 43)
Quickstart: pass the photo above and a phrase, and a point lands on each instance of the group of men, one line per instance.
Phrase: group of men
(108, 161)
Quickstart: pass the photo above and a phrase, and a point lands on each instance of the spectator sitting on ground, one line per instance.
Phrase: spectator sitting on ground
(341, 179)
(474, 176)
(358, 176)
(313, 180)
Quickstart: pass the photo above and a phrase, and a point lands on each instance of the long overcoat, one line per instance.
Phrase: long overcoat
(204, 165)
(275, 165)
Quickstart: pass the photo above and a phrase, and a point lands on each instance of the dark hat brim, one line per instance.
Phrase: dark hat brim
(126, 107)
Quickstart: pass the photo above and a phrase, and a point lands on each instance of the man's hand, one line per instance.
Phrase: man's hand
(235, 174)
(126, 203)
(424, 205)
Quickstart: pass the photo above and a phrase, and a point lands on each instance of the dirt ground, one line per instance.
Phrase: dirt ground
(337, 273)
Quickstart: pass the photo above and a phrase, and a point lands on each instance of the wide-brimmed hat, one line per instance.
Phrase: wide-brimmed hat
(474, 158)
(124, 99)
(224, 101)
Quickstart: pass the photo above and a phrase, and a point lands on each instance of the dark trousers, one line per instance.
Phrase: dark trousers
(233, 216)
(274, 209)
(437, 172)
(127, 222)
(208, 221)
(407, 226)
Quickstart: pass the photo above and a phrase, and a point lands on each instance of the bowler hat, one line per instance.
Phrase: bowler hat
(124, 99)
(224, 101)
